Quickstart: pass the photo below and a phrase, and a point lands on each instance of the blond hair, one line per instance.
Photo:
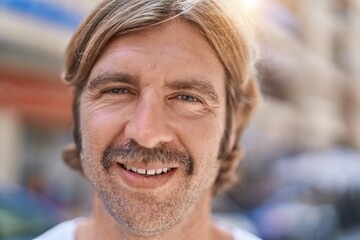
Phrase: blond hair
(226, 30)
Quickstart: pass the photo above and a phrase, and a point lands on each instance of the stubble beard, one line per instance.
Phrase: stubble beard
(146, 214)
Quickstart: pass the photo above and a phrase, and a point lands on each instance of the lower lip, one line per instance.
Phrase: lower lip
(144, 182)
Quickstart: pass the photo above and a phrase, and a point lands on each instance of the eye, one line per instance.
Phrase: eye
(188, 98)
(117, 91)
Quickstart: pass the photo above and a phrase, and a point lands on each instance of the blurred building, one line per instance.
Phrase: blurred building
(35, 105)
(310, 72)
(310, 76)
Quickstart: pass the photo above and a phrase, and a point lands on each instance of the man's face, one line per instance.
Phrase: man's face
(152, 116)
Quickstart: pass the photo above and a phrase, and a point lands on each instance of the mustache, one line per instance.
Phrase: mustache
(133, 152)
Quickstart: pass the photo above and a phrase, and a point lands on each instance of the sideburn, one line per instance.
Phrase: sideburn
(76, 115)
(224, 148)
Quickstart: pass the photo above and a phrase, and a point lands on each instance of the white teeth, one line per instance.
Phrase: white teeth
(141, 171)
(150, 172)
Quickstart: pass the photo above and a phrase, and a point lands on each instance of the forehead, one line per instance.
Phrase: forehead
(174, 48)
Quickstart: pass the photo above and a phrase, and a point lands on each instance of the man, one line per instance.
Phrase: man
(163, 90)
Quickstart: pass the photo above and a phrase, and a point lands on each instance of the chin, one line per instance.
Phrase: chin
(147, 227)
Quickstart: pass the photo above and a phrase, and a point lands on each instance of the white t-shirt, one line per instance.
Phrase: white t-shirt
(67, 231)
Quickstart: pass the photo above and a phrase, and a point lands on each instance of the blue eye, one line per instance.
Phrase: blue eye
(188, 98)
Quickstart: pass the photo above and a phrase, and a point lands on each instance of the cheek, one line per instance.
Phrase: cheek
(203, 140)
(204, 135)
(99, 127)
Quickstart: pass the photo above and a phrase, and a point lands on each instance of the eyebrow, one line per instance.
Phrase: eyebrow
(196, 85)
(106, 78)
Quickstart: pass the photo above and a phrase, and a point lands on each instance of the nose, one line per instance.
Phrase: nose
(148, 126)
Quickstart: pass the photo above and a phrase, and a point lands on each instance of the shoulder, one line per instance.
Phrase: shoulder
(236, 232)
(63, 231)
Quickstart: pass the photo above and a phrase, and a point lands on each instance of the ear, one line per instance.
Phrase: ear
(239, 121)
(71, 154)
(244, 111)
(72, 90)
(71, 157)
(234, 136)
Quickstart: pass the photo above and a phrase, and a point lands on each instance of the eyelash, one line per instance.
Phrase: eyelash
(119, 90)
(116, 91)
(185, 97)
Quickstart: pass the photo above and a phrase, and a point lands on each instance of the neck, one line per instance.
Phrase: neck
(196, 225)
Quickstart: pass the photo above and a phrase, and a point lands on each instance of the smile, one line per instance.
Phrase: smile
(146, 172)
